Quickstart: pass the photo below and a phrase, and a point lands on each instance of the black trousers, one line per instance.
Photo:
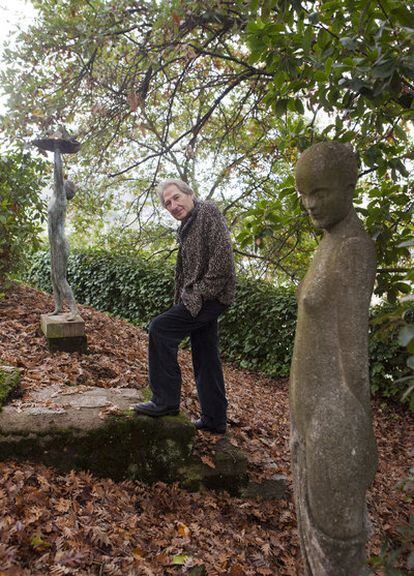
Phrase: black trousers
(165, 333)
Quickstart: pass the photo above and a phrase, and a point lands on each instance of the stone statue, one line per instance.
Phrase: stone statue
(59, 246)
(334, 456)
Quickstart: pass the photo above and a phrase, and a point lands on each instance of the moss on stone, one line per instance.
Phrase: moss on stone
(146, 394)
(124, 446)
(191, 476)
(9, 383)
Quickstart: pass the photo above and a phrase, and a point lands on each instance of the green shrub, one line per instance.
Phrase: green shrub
(138, 290)
(388, 358)
(257, 332)
(131, 288)
(21, 210)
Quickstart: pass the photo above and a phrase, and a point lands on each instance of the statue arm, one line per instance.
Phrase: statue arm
(58, 177)
(357, 266)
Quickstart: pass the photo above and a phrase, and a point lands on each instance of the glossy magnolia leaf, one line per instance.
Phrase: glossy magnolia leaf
(348, 43)
(406, 334)
(281, 105)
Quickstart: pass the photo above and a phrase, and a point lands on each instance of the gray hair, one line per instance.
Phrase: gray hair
(181, 185)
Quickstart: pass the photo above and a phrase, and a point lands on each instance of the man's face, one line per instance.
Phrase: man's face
(177, 203)
(326, 200)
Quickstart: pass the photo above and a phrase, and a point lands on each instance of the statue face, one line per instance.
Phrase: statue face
(325, 199)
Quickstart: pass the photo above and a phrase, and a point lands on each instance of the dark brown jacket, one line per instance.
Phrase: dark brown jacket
(205, 266)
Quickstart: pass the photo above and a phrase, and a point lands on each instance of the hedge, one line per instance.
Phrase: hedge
(257, 332)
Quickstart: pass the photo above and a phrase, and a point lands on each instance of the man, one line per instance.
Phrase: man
(204, 288)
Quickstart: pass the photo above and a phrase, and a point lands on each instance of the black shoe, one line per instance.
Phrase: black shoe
(151, 409)
(204, 426)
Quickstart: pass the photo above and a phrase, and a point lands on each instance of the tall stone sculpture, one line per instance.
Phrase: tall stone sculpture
(333, 447)
(64, 332)
(59, 246)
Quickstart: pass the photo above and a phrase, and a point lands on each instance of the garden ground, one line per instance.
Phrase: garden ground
(79, 524)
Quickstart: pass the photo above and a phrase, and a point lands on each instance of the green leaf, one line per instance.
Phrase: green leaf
(400, 133)
(383, 70)
(328, 66)
(348, 43)
(406, 243)
(179, 559)
(280, 106)
(405, 335)
(403, 15)
(299, 106)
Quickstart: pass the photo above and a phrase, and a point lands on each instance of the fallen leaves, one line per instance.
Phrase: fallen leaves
(78, 524)
(183, 530)
(207, 460)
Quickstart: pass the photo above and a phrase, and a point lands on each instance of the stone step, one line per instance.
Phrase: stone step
(95, 429)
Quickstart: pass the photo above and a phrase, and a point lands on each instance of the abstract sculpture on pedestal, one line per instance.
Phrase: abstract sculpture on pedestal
(64, 332)
(333, 447)
(59, 246)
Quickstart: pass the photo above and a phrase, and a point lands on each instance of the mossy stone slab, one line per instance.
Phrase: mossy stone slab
(9, 383)
(90, 428)
(76, 431)
(227, 472)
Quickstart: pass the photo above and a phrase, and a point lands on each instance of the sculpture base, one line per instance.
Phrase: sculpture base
(63, 335)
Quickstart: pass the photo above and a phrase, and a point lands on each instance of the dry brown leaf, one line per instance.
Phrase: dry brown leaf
(208, 461)
(237, 570)
(183, 530)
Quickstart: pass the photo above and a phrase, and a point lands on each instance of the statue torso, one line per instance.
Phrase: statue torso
(318, 376)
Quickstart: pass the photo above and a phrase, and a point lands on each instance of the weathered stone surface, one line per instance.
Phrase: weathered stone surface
(227, 472)
(94, 429)
(63, 145)
(76, 431)
(64, 335)
(67, 409)
(73, 344)
(9, 383)
(272, 489)
(333, 447)
(58, 326)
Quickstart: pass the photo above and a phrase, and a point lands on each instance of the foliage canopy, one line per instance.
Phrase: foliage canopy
(225, 96)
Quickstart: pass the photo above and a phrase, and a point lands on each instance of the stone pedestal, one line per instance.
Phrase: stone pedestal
(64, 335)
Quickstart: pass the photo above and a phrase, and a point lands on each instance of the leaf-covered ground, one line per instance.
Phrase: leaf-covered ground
(77, 524)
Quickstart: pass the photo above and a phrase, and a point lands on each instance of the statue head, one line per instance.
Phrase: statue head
(70, 189)
(326, 174)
